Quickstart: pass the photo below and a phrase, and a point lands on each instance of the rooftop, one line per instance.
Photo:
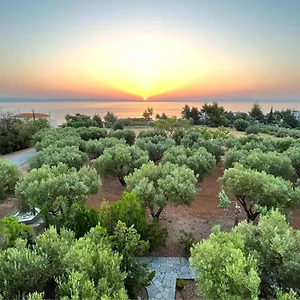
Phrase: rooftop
(31, 115)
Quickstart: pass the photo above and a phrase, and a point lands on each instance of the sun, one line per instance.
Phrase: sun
(145, 98)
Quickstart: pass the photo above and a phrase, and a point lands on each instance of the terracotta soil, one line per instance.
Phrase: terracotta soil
(189, 292)
(197, 218)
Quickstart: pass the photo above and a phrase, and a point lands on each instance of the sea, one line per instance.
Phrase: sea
(125, 109)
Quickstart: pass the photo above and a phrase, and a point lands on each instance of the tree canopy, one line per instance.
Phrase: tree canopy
(255, 190)
(198, 160)
(119, 161)
(251, 262)
(156, 185)
(9, 176)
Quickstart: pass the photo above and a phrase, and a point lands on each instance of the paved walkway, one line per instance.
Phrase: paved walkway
(20, 157)
(167, 270)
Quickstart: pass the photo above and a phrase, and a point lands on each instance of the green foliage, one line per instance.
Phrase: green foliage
(55, 246)
(110, 119)
(151, 133)
(79, 219)
(59, 137)
(148, 113)
(250, 142)
(187, 240)
(180, 284)
(9, 176)
(79, 120)
(276, 247)
(118, 125)
(126, 241)
(195, 140)
(293, 154)
(119, 161)
(223, 270)
(96, 274)
(291, 295)
(252, 129)
(252, 188)
(52, 156)
(156, 185)
(241, 124)
(155, 146)
(224, 200)
(198, 160)
(157, 235)
(16, 134)
(92, 133)
(129, 210)
(95, 148)
(256, 112)
(127, 134)
(264, 257)
(11, 230)
(57, 187)
(172, 124)
(215, 115)
(22, 271)
(273, 163)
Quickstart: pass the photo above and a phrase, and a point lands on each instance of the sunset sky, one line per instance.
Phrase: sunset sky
(155, 49)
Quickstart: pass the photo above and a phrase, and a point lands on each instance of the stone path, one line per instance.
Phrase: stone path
(167, 270)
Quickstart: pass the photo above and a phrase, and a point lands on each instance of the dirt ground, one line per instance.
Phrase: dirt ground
(198, 218)
(188, 292)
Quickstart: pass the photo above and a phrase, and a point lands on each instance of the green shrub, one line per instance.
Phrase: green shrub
(52, 156)
(155, 146)
(11, 230)
(119, 161)
(252, 129)
(92, 133)
(118, 125)
(9, 176)
(23, 270)
(157, 235)
(241, 124)
(129, 210)
(187, 240)
(95, 148)
(198, 160)
(127, 134)
(180, 284)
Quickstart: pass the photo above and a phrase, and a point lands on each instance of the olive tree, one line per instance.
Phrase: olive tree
(156, 185)
(155, 146)
(293, 154)
(52, 156)
(195, 140)
(255, 190)
(198, 160)
(92, 133)
(253, 261)
(95, 148)
(127, 134)
(9, 176)
(273, 163)
(241, 124)
(119, 161)
(57, 188)
(222, 268)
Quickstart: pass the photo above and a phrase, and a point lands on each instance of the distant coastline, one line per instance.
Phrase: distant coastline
(107, 100)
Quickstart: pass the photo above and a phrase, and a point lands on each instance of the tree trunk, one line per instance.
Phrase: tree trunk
(122, 181)
(157, 215)
(250, 215)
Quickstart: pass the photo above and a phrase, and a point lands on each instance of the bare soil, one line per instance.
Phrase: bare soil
(198, 218)
(189, 292)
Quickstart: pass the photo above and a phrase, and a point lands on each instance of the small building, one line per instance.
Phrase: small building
(34, 115)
